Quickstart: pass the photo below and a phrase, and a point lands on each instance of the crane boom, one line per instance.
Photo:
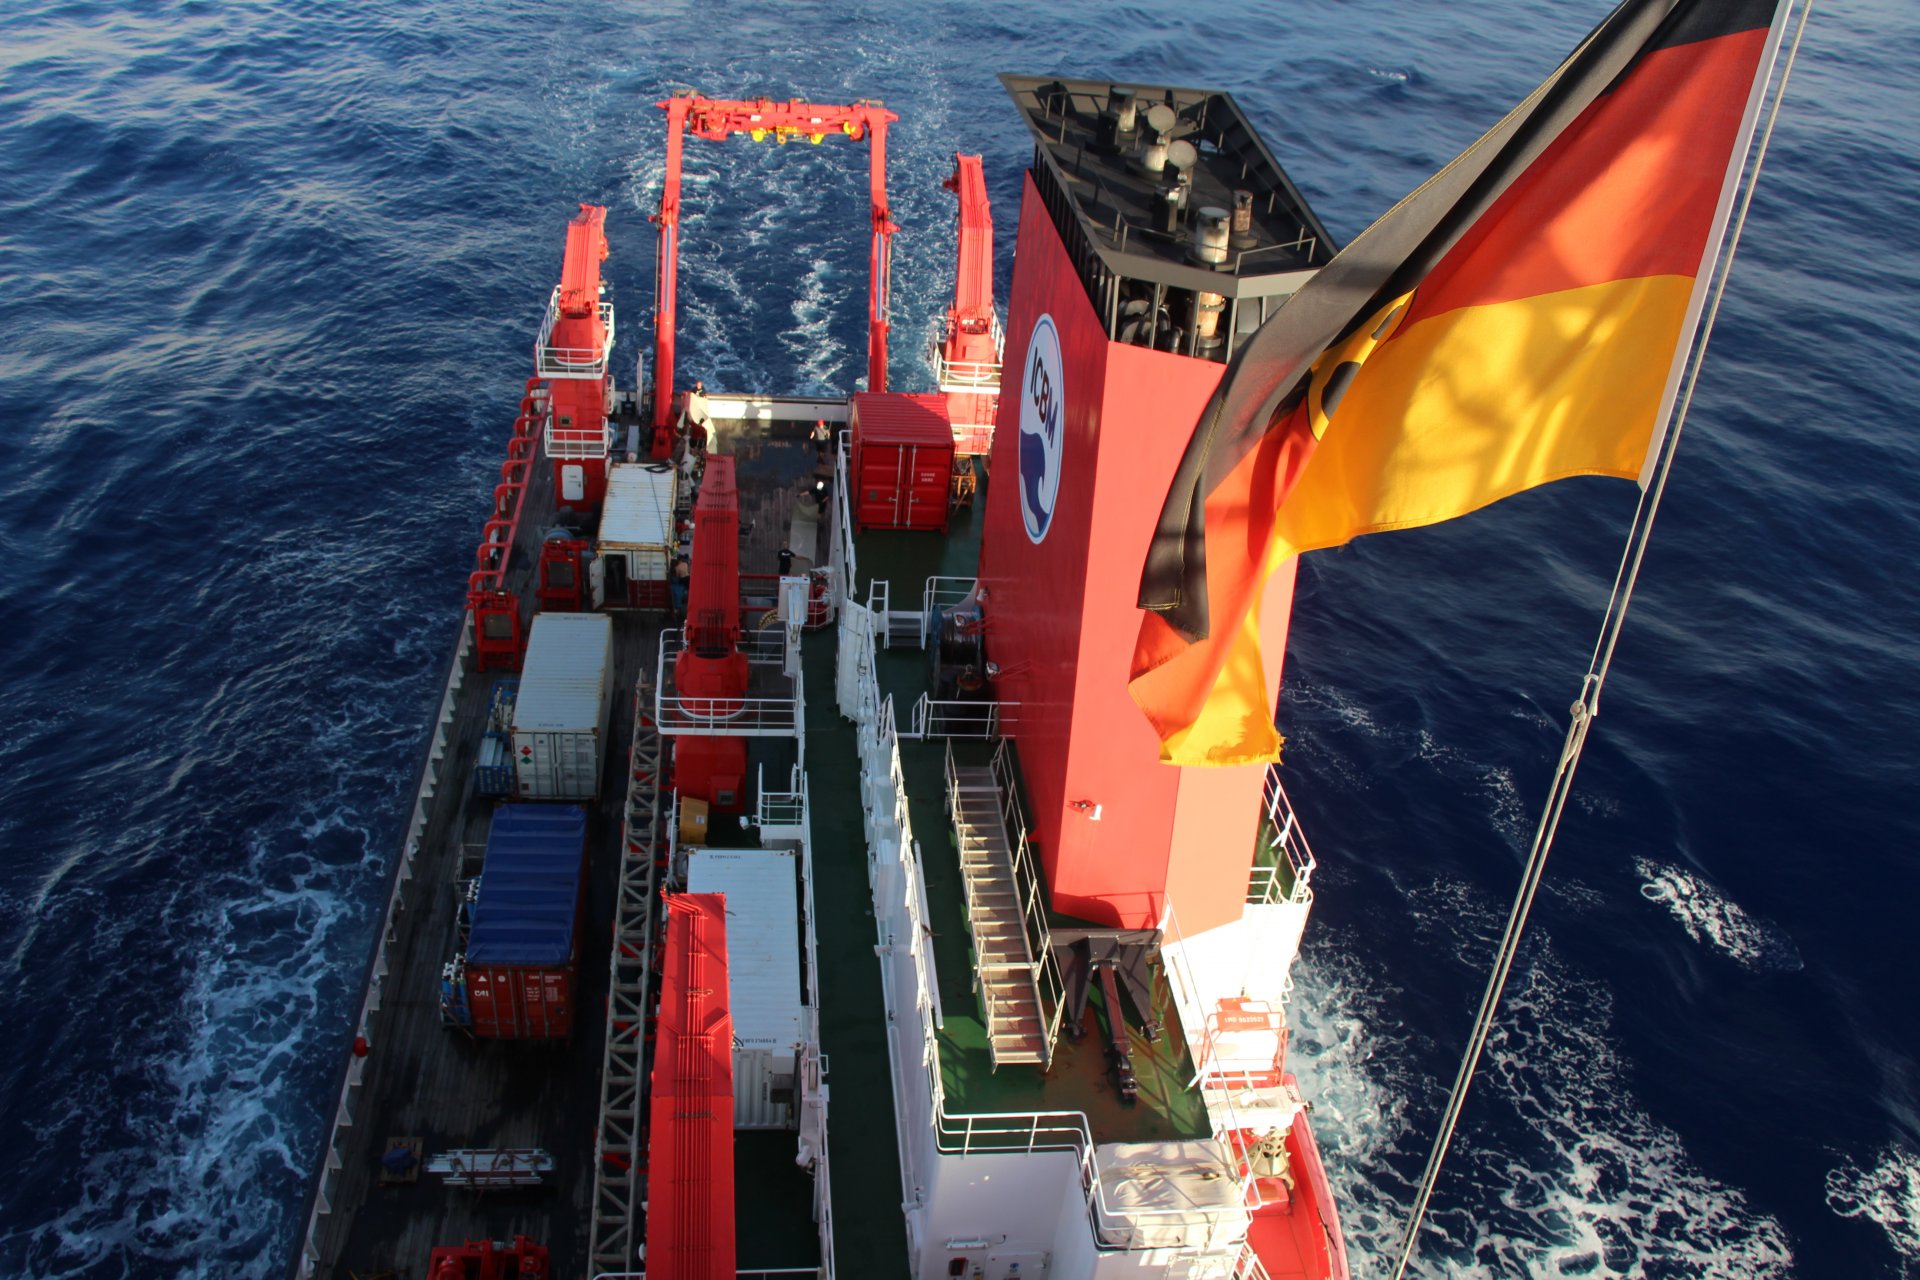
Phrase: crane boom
(968, 357)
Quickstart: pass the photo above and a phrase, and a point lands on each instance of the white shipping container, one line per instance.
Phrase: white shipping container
(635, 543)
(763, 975)
(560, 715)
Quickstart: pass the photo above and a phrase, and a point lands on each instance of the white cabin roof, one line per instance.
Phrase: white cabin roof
(763, 940)
(639, 508)
(564, 678)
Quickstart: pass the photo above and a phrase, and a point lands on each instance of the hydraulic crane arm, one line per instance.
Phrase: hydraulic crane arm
(968, 356)
(970, 319)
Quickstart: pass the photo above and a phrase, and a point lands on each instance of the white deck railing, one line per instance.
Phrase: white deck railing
(1033, 906)
(955, 719)
(941, 593)
(899, 898)
(1288, 877)
(550, 361)
(750, 715)
(980, 377)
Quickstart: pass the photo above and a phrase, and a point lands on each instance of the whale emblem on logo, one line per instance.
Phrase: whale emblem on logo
(1042, 430)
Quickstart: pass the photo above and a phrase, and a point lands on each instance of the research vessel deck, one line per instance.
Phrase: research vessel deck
(1039, 1066)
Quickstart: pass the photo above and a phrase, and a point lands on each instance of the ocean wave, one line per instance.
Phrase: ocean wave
(1716, 921)
(1885, 1192)
(192, 1139)
(1557, 1170)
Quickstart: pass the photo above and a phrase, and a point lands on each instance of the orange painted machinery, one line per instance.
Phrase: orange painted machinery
(563, 573)
(969, 361)
(710, 673)
(567, 399)
(486, 1260)
(572, 356)
(767, 121)
(690, 1210)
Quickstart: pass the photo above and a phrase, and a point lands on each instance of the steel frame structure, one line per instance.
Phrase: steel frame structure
(765, 120)
(619, 1153)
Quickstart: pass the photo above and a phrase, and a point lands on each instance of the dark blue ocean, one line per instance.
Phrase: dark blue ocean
(268, 277)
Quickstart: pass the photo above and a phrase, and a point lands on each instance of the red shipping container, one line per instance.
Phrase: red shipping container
(902, 461)
(514, 1002)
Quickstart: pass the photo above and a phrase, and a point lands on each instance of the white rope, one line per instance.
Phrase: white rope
(1587, 706)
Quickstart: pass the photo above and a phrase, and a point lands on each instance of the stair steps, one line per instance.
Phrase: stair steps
(1016, 1032)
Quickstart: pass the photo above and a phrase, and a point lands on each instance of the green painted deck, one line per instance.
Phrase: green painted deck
(1079, 1079)
(773, 1203)
(870, 1235)
(908, 558)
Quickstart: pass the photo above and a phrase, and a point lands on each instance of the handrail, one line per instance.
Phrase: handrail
(571, 362)
(940, 591)
(1049, 986)
(813, 1067)
(958, 719)
(1288, 846)
(840, 552)
(741, 716)
(502, 526)
(1032, 1132)
(1180, 975)
(1113, 1226)
(576, 442)
(976, 376)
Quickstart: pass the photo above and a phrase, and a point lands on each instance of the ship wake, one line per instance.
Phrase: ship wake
(1557, 1168)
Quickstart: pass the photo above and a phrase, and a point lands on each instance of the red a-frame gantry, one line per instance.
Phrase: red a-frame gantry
(779, 122)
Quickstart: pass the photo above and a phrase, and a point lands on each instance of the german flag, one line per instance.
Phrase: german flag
(1521, 317)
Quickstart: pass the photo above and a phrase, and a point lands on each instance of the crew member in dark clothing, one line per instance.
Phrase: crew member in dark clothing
(786, 561)
(677, 585)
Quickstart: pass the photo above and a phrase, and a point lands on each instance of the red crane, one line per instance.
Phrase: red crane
(572, 354)
(710, 674)
(570, 357)
(690, 1212)
(969, 362)
(780, 122)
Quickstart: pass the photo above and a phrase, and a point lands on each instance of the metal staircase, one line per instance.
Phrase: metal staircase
(1006, 972)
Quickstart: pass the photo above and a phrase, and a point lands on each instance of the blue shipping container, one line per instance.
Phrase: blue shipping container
(529, 886)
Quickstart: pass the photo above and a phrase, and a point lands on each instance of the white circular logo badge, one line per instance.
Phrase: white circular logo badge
(1041, 429)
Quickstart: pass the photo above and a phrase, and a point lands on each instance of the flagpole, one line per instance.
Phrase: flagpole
(1587, 705)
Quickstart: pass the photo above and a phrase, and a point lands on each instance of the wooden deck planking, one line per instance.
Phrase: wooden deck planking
(439, 1084)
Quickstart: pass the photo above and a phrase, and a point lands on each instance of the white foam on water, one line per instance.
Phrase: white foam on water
(1714, 920)
(823, 300)
(1353, 1069)
(1885, 1192)
(1496, 782)
(189, 1132)
(1557, 1169)
(1329, 698)
(198, 1172)
(1608, 1191)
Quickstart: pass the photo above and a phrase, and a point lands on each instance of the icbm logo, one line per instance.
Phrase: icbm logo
(1041, 431)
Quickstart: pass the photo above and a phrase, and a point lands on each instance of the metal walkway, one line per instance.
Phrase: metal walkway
(612, 1245)
(1005, 970)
